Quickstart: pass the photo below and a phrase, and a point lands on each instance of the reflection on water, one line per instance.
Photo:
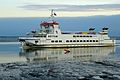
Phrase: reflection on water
(9, 52)
(83, 54)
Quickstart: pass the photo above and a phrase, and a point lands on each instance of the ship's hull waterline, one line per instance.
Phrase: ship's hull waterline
(27, 46)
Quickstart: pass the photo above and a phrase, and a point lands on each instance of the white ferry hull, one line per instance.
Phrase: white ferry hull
(66, 45)
(30, 42)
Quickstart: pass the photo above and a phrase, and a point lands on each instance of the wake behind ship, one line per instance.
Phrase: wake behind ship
(50, 35)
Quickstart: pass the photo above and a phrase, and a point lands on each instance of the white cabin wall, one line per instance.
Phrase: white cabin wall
(56, 29)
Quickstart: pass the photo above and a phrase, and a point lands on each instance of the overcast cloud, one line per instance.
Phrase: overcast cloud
(72, 7)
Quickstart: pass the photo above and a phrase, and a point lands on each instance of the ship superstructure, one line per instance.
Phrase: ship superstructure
(50, 35)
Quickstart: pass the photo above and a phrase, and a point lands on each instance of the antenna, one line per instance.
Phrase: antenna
(52, 15)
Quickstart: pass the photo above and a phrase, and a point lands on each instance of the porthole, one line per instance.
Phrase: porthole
(87, 40)
(70, 40)
(77, 40)
(74, 36)
(93, 40)
(84, 40)
(36, 41)
(56, 41)
(74, 40)
(52, 41)
(67, 40)
(80, 40)
(96, 40)
(60, 40)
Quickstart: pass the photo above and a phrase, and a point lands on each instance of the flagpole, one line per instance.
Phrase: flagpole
(52, 15)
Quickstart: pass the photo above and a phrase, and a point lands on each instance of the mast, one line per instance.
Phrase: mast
(52, 15)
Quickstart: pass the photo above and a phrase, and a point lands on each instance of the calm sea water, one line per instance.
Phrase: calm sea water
(12, 52)
(9, 52)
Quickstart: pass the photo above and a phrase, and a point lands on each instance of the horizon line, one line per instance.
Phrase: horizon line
(58, 16)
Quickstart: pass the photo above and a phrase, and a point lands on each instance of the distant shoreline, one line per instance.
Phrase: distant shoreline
(9, 38)
(9, 42)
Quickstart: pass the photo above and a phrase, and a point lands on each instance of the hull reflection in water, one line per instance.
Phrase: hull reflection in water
(83, 54)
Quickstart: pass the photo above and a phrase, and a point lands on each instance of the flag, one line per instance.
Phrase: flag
(55, 14)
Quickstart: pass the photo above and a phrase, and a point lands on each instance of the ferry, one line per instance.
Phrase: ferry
(50, 36)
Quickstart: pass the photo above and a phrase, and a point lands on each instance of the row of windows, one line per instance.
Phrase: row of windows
(52, 36)
(81, 40)
(81, 36)
(56, 41)
(75, 41)
(38, 36)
